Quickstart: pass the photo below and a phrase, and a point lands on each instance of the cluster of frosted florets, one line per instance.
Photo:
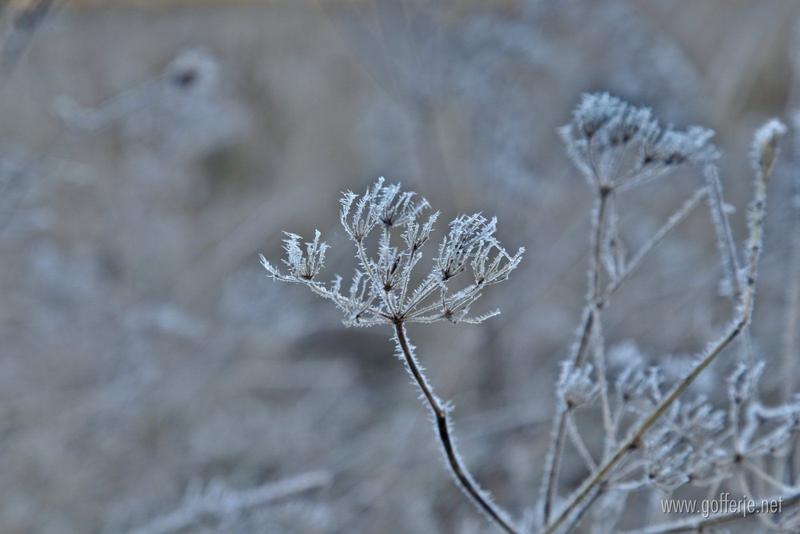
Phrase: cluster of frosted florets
(576, 385)
(381, 289)
(696, 443)
(607, 134)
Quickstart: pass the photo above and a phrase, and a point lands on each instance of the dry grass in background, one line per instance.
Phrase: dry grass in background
(146, 357)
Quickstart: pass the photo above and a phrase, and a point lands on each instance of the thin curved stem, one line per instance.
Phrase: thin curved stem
(444, 430)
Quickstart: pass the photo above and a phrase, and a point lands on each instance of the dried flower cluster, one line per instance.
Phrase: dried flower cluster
(381, 291)
(607, 132)
(656, 437)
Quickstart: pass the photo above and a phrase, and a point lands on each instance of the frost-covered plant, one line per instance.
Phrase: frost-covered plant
(653, 439)
(388, 231)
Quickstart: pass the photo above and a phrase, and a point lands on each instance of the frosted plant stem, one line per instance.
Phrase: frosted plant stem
(602, 381)
(598, 227)
(674, 220)
(553, 461)
(579, 443)
(791, 351)
(581, 511)
(727, 249)
(477, 495)
(591, 315)
(725, 243)
(766, 477)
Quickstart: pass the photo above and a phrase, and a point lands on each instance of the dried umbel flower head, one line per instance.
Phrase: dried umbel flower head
(576, 386)
(302, 265)
(381, 291)
(606, 133)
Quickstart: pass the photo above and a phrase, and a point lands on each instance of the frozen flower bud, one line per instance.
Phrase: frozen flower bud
(594, 112)
(637, 386)
(381, 204)
(575, 385)
(492, 264)
(358, 214)
(765, 145)
(303, 265)
(388, 265)
(742, 382)
(675, 147)
(467, 234)
(416, 234)
(399, 209)
(666, 464)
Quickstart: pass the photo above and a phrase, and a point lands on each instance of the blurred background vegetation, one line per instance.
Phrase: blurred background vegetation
(149, 150)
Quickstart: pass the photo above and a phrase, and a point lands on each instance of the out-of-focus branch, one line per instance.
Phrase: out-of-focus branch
(218, 501)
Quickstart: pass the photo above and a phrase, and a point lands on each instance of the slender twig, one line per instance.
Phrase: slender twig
(598, 227)
(674, 220)
(722, 227)
(767, 478)
(218, 502)
(553, 461)
(443, 429)
(591, 315)
(727, 249)
(579, 443)
(599, 354)
(581, 511)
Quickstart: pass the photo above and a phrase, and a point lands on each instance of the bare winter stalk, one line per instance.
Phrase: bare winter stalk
(674, 220)
(591, 315)
(722, 227)
(443, 430)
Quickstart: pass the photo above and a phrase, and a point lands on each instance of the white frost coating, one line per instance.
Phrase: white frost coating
(382, 292)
